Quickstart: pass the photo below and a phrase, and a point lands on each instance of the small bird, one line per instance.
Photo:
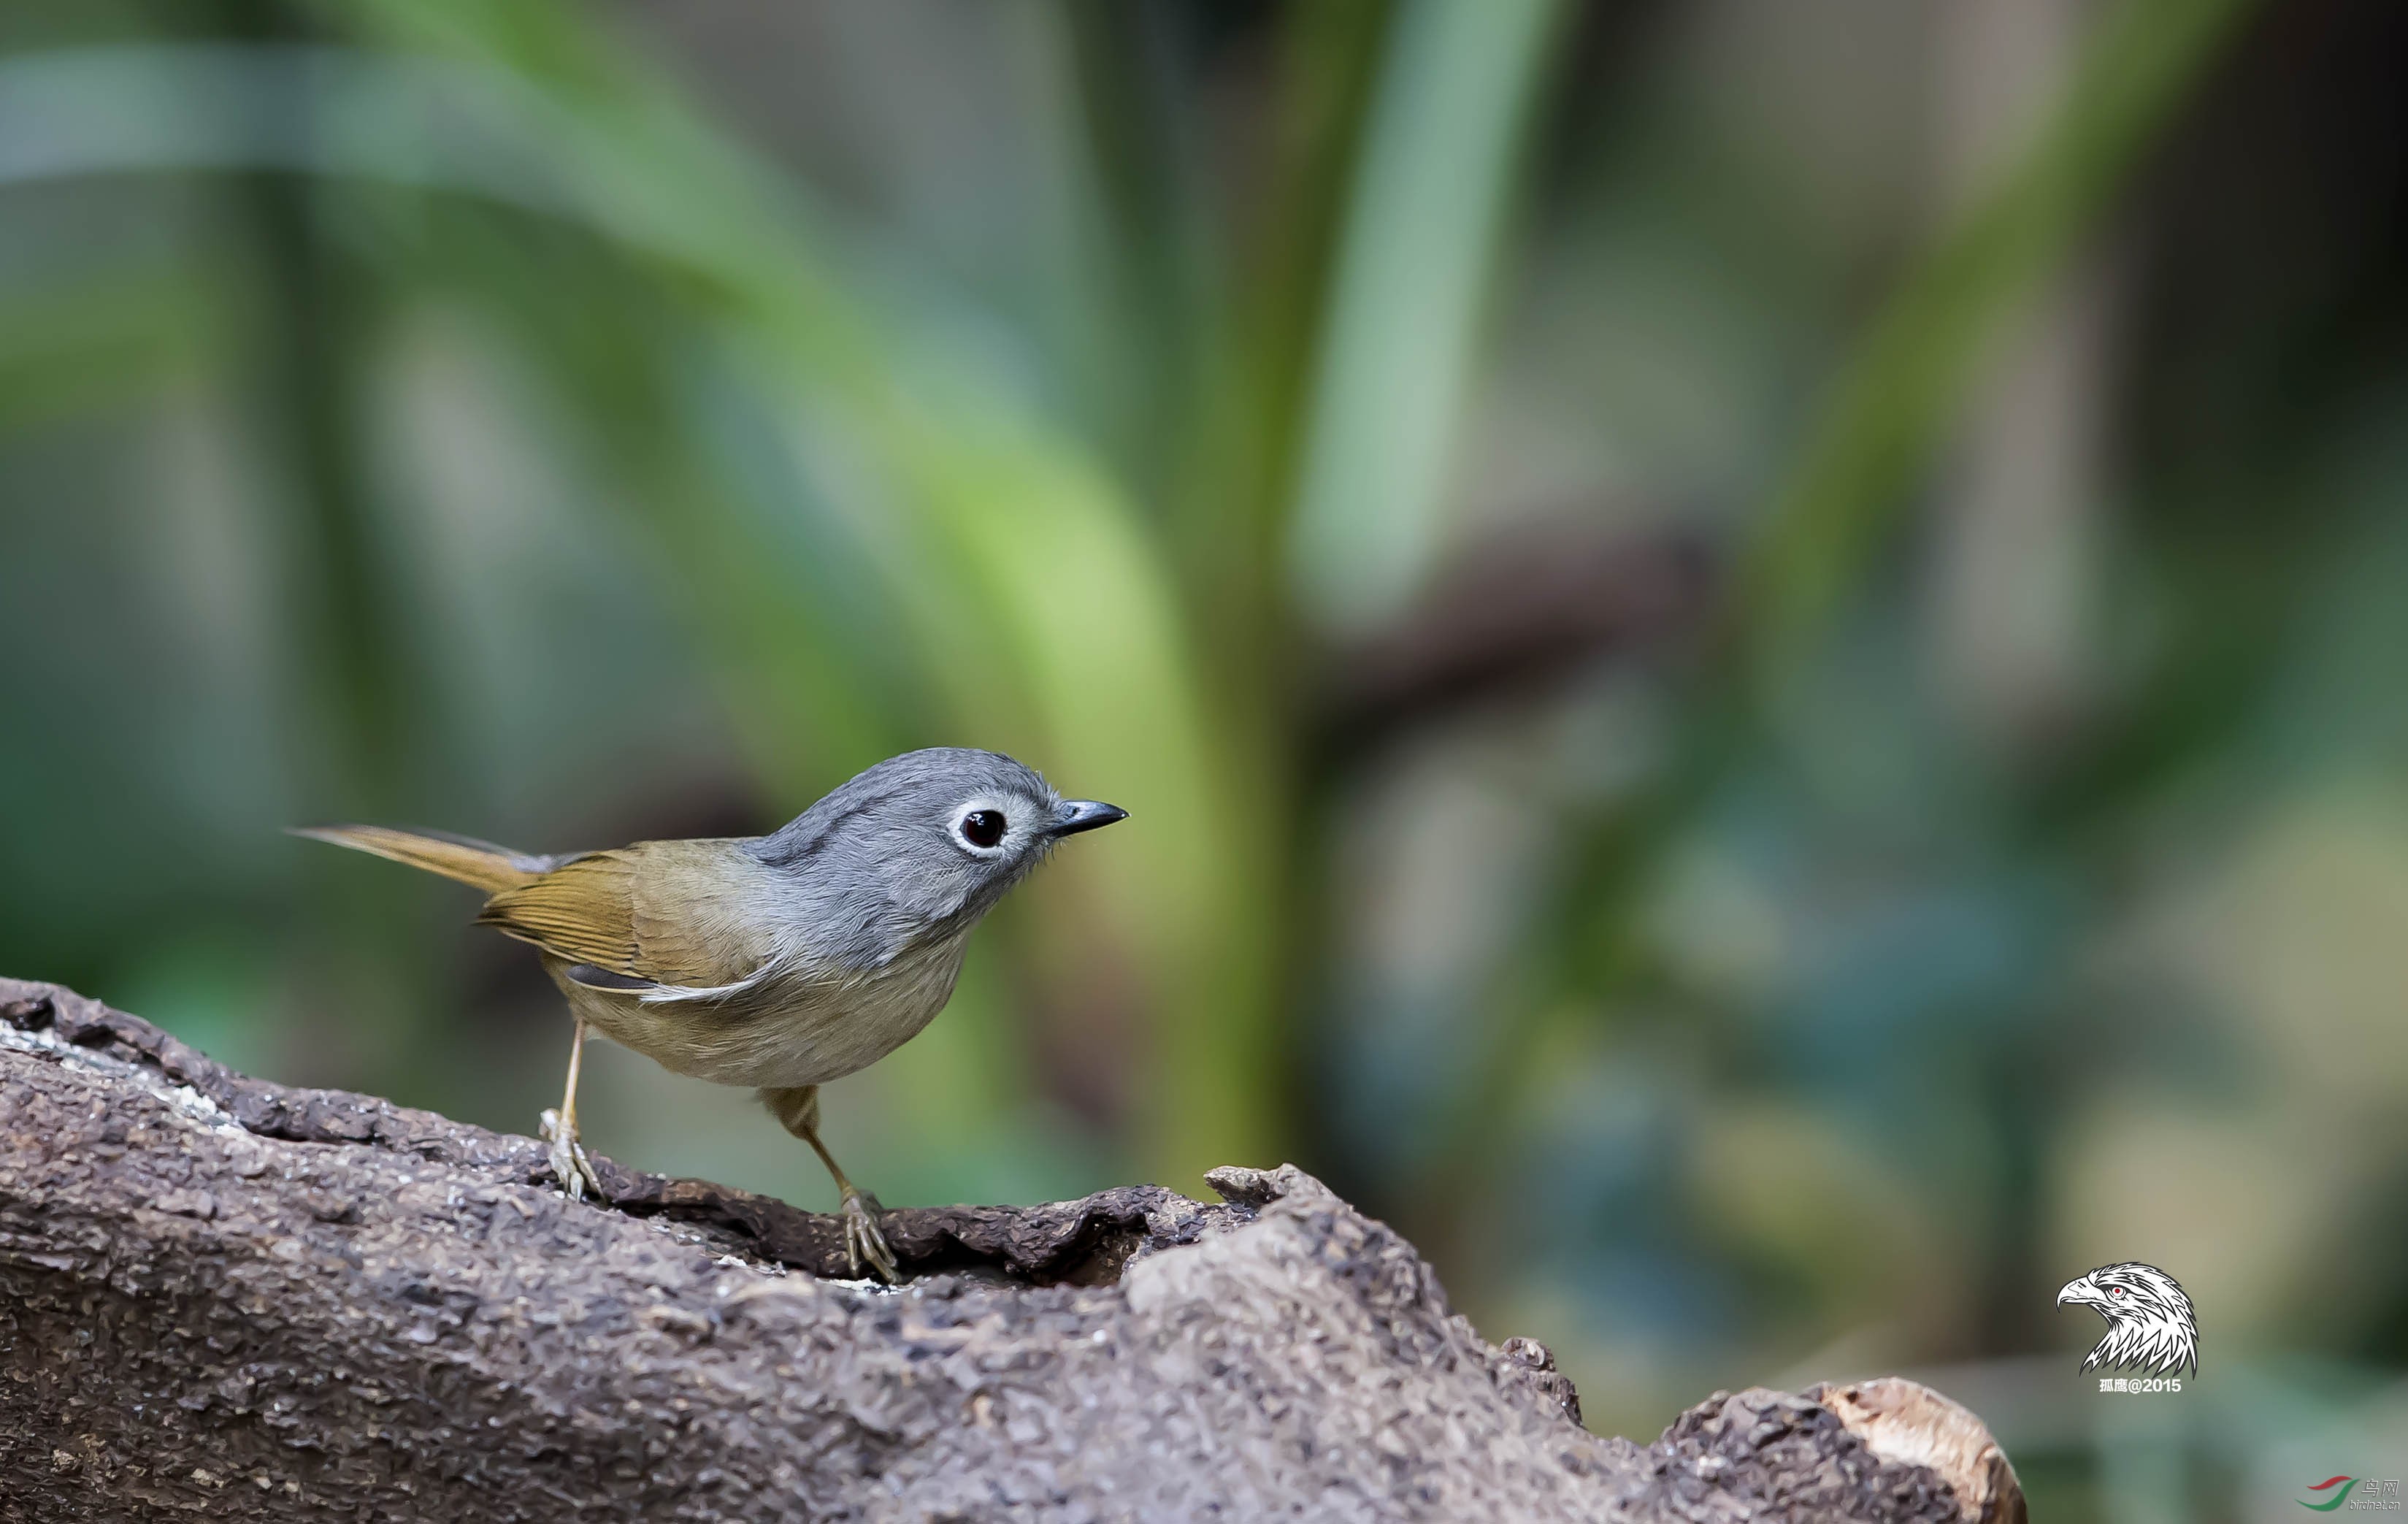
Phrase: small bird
(779, 961)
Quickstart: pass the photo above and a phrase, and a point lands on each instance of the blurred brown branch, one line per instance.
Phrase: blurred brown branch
(1515, 614)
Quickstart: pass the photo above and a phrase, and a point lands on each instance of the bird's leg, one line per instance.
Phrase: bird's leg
(570, 1165)
(862, 1238)
(798, 1110)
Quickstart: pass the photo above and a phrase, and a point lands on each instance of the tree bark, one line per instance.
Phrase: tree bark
(224, 1298)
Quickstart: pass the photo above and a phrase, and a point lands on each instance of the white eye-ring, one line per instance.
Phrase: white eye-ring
(982, 829)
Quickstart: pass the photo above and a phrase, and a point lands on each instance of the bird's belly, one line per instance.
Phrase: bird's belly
(790, 1030)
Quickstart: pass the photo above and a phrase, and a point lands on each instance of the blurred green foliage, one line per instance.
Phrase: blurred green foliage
(1757, 650)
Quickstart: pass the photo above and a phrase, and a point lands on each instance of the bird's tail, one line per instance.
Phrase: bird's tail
(488, 866)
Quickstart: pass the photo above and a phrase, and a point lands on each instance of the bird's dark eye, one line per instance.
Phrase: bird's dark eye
(2115, 1290)
(984, 828)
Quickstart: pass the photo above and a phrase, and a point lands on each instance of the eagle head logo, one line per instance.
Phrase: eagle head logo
(2150, 1324)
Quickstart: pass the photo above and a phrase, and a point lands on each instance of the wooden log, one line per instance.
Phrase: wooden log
(224, 1298)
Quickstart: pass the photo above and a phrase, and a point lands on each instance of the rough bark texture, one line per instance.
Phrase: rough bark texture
(224, 1298)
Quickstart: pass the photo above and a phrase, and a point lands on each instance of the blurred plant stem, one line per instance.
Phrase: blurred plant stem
(359, 697)
(1149, 216)
(1898, 395)
(1223, 384)
(357, 748)
(1230, 510)
(1301, 383)
(1822, 537)
(1425, 215)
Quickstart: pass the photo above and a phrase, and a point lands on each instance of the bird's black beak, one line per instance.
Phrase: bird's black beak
(1085, 816)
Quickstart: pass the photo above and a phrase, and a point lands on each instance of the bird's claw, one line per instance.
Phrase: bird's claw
(862, 1239)
(570, 1165)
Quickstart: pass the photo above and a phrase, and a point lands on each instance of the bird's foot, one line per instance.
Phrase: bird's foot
(570, 1165)
(862, 1239)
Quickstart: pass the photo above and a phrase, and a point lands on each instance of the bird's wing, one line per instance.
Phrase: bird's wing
(703, 909)
(582, 910)
(659, 912)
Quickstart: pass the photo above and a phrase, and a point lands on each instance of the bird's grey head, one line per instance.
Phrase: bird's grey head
(931, 837)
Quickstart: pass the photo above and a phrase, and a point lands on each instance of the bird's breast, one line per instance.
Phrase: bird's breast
(804, 1025)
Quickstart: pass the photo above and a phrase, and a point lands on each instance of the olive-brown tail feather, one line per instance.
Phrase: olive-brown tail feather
(489, 867)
